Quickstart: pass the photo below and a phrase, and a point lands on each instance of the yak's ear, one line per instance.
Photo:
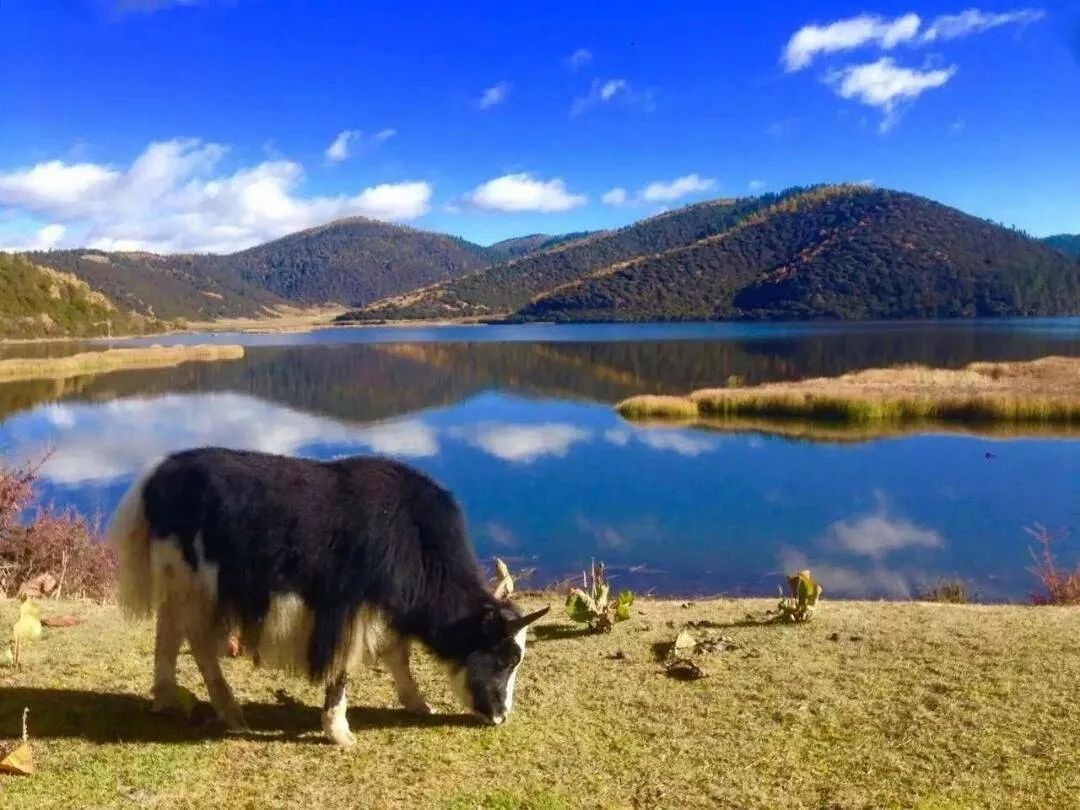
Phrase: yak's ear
(515, 626)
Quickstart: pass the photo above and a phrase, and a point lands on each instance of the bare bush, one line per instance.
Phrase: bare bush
(1061, 586)
(56, 552)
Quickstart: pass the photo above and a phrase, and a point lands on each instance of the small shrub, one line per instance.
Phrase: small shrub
(1061, 587)
(592, 603)
(62, 547)
(948, 591)
(799, 606)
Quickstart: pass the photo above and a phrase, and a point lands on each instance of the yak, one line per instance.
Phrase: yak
(321, 566)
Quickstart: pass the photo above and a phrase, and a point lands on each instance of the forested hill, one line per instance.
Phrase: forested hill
(166, 287)
(519, 246)
(37, 301)
(354, 262)
(1067, 243)
(505, 288)
(845, 252)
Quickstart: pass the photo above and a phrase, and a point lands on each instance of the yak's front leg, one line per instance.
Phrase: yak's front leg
(204, 646)
(334, 721)
(396, 659)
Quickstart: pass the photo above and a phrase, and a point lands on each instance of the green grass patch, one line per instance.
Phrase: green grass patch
(867, 705)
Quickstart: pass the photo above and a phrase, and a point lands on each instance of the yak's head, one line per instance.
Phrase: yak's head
(489, 651)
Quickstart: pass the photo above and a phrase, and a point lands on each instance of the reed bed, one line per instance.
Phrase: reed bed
(41, 368)
(1040, 391)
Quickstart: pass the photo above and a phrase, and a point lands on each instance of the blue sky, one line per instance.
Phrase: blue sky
(213, 125)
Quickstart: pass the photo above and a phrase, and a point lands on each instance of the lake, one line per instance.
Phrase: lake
(517, 422)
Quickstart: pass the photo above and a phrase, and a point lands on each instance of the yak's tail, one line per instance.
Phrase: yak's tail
(129, 534)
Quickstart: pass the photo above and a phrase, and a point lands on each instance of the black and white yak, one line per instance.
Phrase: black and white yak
(322, 567)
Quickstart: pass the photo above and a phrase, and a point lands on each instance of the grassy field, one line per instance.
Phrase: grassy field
(43, 368)
(869, 705)
(1039, 392)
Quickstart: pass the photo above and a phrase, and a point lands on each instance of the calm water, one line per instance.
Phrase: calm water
(517, 422)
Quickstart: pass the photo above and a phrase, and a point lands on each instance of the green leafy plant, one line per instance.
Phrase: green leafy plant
(804, 595)
(592, 604)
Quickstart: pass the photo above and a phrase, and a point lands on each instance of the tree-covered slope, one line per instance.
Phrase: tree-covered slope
(839, 252)
(507, 287)
(178, 286)
(1067, 243)
(38, 301)
(353, 261)
(519, 246)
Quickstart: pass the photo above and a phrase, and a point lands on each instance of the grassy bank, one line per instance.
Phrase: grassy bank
(37, 368)
(1045, 391)
(868, 705)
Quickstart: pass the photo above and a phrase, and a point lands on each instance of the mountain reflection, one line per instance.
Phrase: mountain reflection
(377, 381)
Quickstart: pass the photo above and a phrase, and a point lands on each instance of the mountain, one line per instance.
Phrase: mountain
(1067, 243)
(519, 246)
(38, 301)
(842, 252)
(505, 288)
(353, 261)
(165, 287)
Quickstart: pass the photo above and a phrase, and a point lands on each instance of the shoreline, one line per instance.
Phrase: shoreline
(111, 360)
(1036, 392)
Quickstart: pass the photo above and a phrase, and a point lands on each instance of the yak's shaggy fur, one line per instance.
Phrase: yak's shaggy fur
(321, 567)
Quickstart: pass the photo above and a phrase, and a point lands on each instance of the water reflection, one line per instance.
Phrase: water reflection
(375, 381)
(550, 483)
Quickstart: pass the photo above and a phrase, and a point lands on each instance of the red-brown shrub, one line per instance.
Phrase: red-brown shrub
(1062, 586)
(62, 544)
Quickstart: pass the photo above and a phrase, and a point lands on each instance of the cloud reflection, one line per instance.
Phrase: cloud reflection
(114, 440)
(522, 443)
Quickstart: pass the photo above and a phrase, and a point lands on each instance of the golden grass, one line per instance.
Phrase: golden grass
(39, 368)
(868, 705)
(1038, 391)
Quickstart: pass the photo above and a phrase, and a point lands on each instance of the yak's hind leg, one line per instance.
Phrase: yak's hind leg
(396, 659)
(334, 721)
(170, 635)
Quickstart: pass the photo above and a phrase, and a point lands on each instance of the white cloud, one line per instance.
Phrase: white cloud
(812, 40)
(339, 150)
(44, 238)
(173, 198)
(660, 191)
(885, 85)
(612, 91)
(974, 21)
(756, 185)
(579, 58)
(350, 141)
(55, 183)
(523, 444)
(616, 196)
(523, 192)
(493, 96)
(118, 439)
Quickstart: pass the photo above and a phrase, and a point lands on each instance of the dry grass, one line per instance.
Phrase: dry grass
(1043, 391)
(39, 368)
(869, 705)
